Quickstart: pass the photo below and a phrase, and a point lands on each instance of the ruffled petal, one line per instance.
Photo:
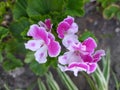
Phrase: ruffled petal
(64, 59)
(76, 67)
(73, 29)
(33, 45)
(54, 48)
(98, 54)
(41, 54)
(87, 58)
(92, 67)
(69, 20)
(48, 24)
(51, 36)
(38, 33)
(90, 44)
(69, 40)
(62, 29)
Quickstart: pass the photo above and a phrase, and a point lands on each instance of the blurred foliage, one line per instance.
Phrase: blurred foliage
(111, 8)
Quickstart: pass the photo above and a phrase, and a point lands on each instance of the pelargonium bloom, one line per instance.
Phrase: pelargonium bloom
(81, 57)
(43, 42)
(67, 26)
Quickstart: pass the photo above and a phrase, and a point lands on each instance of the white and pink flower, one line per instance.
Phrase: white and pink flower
(67, 26)
(81, 57)
(43, 42)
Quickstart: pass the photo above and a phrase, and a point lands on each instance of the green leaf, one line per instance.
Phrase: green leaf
(87, 34)
(29, 57)
(41, 85)
(3, 32)
(19, 9)
(75, 8)
(110, 11)
(106, 65)
(52, 84)
(42, 7)
(38, 69)
(18, 27)
(90, 81)
(2, 8)
(117, 83)
(15, 47)
(11, 62)
(66, 80)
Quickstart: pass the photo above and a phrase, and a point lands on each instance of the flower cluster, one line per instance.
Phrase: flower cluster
(43, 41)
(80, 55)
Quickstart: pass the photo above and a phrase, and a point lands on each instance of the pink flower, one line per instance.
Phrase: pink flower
(81, 57)
(43, 42)
(47, 24)
(67, 26)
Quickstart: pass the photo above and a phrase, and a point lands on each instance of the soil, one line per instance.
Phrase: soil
(107, 33)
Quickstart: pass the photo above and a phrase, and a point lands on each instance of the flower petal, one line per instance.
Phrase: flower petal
(51, 36)
(98, 54)
(90, 44)
(92, 67)
(73, 29)
(64, 59)
(69, 20)
(62, 29)
(33, 44)
(41, 54)
(54, 48)
(38, 33)
(48, 24)
(69, 40)
(76, 67)
(87, 58)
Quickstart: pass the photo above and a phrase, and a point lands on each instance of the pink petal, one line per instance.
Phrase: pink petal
(87, 58)
(41, 54)
(90, 44)
(80, 65)
(76, 67)
(62, 29)
(33, 44)
(69, 20)
(38, 33)
(69, 40)
(54, 48)
(51, 36)
(98, 54)
(78, 47)
(92, 67)
(48, 24)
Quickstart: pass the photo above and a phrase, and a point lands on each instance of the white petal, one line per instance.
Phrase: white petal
(33, 44)
(41, 54)
(73, 29)
(69, 40)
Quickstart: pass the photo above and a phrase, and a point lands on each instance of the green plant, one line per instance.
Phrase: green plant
(29, 12)
(111, 8)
